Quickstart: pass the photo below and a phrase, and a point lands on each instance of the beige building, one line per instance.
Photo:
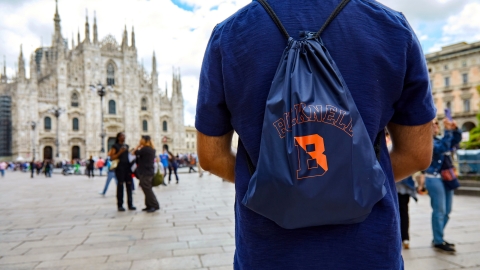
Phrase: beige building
(60, 77)
(190, 139)
(455, 78)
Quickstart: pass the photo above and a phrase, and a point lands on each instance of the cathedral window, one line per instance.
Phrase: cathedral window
(110, 75)
(144, 104)
(74, 100)
(47, 123)
(75, 124)
(112, 107)
(145, 125)
(165, 128)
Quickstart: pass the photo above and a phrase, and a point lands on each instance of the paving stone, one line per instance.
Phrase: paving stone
(197, 251)
(102, 266)
(31, 258)
(96, 252)
(19, 266)
(69, 262)
(217, 259)
(175, 263)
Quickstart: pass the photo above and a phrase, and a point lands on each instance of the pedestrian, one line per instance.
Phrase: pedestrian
(191, 163)
(90, 167)
(145, 152)
(238, 70)
(100, 165)
(405, 190)
(441, 196)
(164, 160)
(3, 167)
(200, 170)
(38, 166)
(172, 164)
(110, 176)
(32, 168)
(123, 172)
(47, 168)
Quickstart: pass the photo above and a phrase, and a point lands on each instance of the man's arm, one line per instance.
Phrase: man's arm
(216, 155)
(412, 149)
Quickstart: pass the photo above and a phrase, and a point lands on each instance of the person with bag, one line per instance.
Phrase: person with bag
(172, 164)
(120, 163)
(309, 86)
(110, 176)
(145, 171)
(441, 190)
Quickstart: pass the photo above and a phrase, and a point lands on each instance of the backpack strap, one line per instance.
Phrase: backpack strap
(274, 17)
(280, 26)
(332, 16)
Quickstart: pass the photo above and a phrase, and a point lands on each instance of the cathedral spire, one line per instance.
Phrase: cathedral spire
(73, 42)
(133, 38)
(166, 90)
(21, 65)
(3, 77)
(87, 29)
(56, 19)
(125, 39)
(33, 68)
(95, 32)
(154, 63)
(43, 62)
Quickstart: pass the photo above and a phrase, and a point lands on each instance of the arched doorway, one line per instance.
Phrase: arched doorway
(467, 126)
(47, 152)
(75, 152)
(110, 142)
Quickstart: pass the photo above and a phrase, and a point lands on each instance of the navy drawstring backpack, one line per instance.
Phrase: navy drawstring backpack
(317, 164)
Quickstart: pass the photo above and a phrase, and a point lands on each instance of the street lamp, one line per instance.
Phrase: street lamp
(57, 111)
(33, 125)
(101, 92)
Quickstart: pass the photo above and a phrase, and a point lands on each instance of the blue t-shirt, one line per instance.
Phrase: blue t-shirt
(164, 159)
(384, 67)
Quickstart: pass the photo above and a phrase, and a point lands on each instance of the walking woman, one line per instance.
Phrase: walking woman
(440, 195)
(145, 153)
(123, 172)
(172, 163)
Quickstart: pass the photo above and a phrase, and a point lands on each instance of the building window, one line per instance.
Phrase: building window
(445, 67)
(144, 104)
(165, 128)
(188, 145)
(466, 105)
(145, 125)
(110, 75)
(465, 78)
(47, 123)
(193, 145)
(74, 100)
(449, 105)
(112, 108)
(75, 124)
(464, 63)
(447, 81)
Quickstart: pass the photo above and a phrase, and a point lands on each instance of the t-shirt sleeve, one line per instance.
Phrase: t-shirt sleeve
(212, 115)
(415, 105)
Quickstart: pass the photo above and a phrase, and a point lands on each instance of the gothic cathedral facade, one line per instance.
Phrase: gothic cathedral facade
(61, 80)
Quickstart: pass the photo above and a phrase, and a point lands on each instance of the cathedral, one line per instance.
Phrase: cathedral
(57, 114)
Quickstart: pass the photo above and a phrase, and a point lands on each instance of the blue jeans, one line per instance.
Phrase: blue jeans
(441, 201)
(2, 172)
(110, 175)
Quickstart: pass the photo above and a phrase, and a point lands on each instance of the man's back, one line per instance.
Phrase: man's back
(382, 64)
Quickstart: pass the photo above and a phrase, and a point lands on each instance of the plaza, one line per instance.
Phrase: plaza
(63, 223)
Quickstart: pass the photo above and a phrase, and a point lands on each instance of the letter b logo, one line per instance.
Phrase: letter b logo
(312, 161)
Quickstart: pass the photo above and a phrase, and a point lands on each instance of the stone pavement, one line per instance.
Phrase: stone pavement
(63, 223)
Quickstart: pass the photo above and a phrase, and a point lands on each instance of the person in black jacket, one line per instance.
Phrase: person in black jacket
(90, 167)
(145, 153)
(123, 171)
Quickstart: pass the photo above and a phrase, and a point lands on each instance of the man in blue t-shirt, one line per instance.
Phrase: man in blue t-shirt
(382, 63)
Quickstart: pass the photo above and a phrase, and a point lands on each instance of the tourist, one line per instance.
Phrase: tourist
(382, 63)
(164, 160)
(405, 190)
(90, 167)
(172, 164)
(123, 171)
(32, 168)
(3, 167)
(100, 165)
(110, 176)
(191, 162)
(47, 167)
(145, 152)
(441, 196)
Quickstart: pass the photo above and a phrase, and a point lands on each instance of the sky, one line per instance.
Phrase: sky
(178, 30)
